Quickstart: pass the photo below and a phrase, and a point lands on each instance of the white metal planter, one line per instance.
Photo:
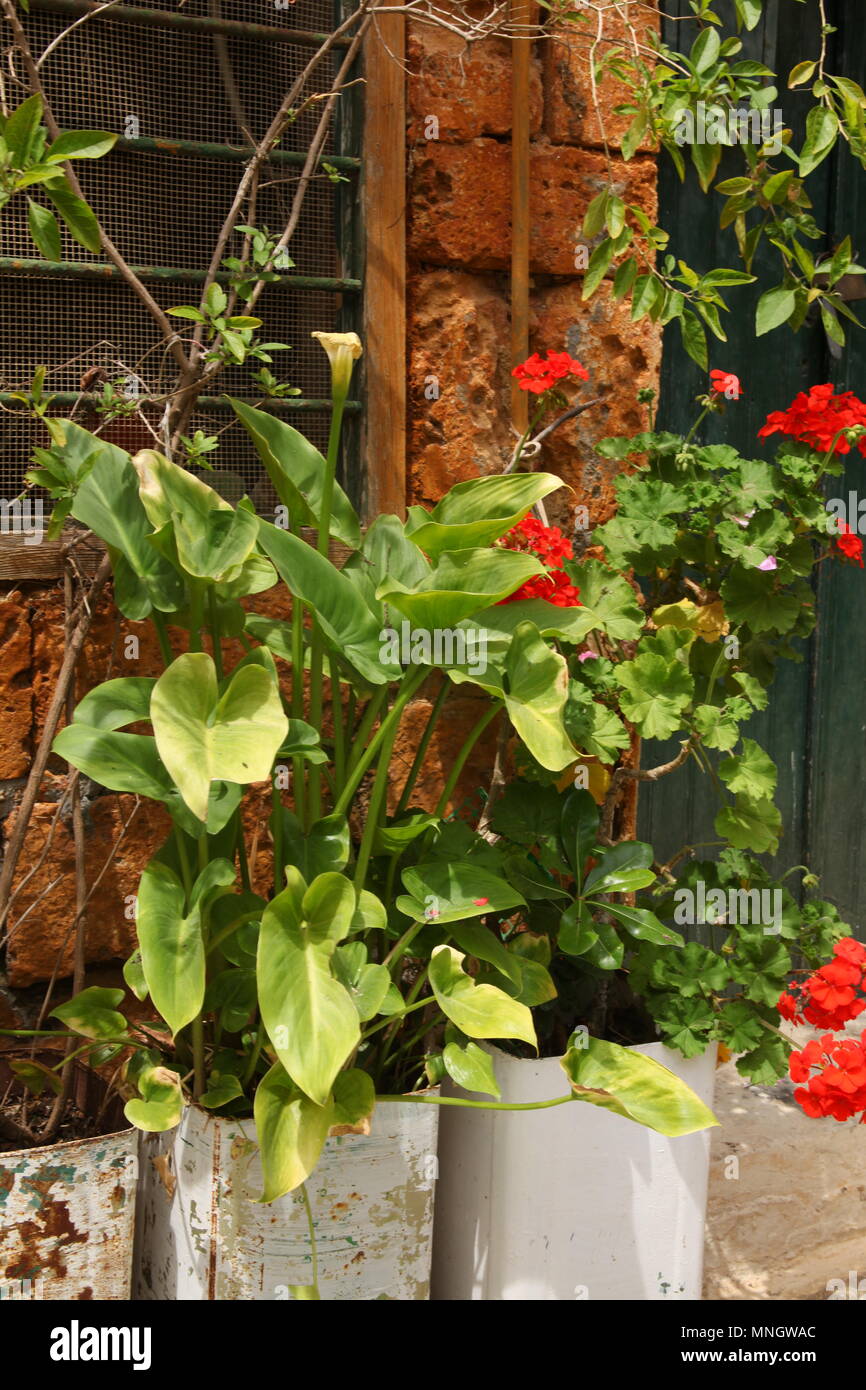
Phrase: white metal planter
(572, 1202)
(67, 1217)
(202, 1235)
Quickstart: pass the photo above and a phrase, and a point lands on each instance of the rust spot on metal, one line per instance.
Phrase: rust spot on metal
(162, 1164)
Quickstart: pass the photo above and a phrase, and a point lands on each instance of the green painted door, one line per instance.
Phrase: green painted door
(816, 727)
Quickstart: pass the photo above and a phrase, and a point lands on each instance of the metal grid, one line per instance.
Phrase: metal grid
(164, 209)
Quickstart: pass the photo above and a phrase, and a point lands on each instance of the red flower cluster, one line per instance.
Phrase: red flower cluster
(816, 417)
(838, 1088)
(551, 547)
(833, 1069)
(828, 999)
(537, 375)
(850, 543)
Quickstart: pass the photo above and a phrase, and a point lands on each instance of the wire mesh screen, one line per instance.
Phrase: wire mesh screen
(164, 207)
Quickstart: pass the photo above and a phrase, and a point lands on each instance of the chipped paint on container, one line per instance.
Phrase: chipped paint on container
(572, 1202)
(67, 1219)
(202, 1235)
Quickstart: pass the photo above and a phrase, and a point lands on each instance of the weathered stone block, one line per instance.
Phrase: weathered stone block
(572, 115)
(461, 207)
(458, 381)
(45, 935)
(16, 696)
(621, 357)
(458, 91)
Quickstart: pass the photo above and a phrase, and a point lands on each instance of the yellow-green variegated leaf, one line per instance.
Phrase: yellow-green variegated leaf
(479, 1011)
(635, 1086)
(291, 1131)
(202, 737)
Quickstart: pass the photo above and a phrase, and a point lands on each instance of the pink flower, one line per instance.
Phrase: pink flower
(771, 563)
(587, 656)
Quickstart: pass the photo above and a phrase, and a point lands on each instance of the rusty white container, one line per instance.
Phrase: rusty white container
(203, 1236)
(572, 1202)
(67, 1218)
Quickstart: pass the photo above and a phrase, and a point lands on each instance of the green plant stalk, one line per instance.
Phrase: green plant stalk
(213, 623)
(377, 804)
(478, 1104)
(297, 704)
(161, 628)
(421, 753)
(362, 733)
(412, 680)
(394, 1018)
(460, 761)
(277, 833)
(317, 647)
(312, 1293)
(337, 717)
(197, 1027)
(196, 614)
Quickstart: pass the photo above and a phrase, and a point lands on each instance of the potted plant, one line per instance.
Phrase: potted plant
(286, 1020)
(688, 598)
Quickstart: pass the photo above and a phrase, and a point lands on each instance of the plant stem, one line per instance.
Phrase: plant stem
(411, 681)
(368, 719)
(337, 717)
(317, 647)
(161, 627)
(420, 755)
(460, 761)
(213, 620)
(313, 1294)
(476, 1104)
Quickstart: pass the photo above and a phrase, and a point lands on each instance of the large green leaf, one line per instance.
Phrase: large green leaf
(471, 1067)
(121, 762)
(478, 511)
(634, 1085)
(310, 1017)
(116, 703)
(291, 1131)
(213, 539)
(93, 1013)
(348, 626)
(297, 471)
(446, 891)
(202, 737)
(655, 693)
(322, 849)
(462, 583)
(479, 1011)
(608, 602)
(172, 948)
(366, 982)
(535, 696)
(107, 501)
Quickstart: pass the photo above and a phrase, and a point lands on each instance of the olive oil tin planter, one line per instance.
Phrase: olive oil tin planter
(67, 1219)
(202, 1235)
(573, 1202)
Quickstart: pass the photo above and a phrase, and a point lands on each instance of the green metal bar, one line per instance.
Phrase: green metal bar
(233, 152)
(275, 403)
(89, 270)
(194, 24)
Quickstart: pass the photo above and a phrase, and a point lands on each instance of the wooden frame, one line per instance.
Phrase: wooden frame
(384, 212)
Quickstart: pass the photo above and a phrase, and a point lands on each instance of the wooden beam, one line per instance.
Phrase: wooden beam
(521, 53)
(384, 209)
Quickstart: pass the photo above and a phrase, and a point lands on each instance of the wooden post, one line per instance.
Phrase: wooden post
(521, 52)
(384, 204)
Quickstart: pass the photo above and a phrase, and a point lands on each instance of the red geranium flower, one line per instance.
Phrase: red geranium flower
(850, 543)
(726, 384)
(551, 547)
(537, 375)
(816, 417)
